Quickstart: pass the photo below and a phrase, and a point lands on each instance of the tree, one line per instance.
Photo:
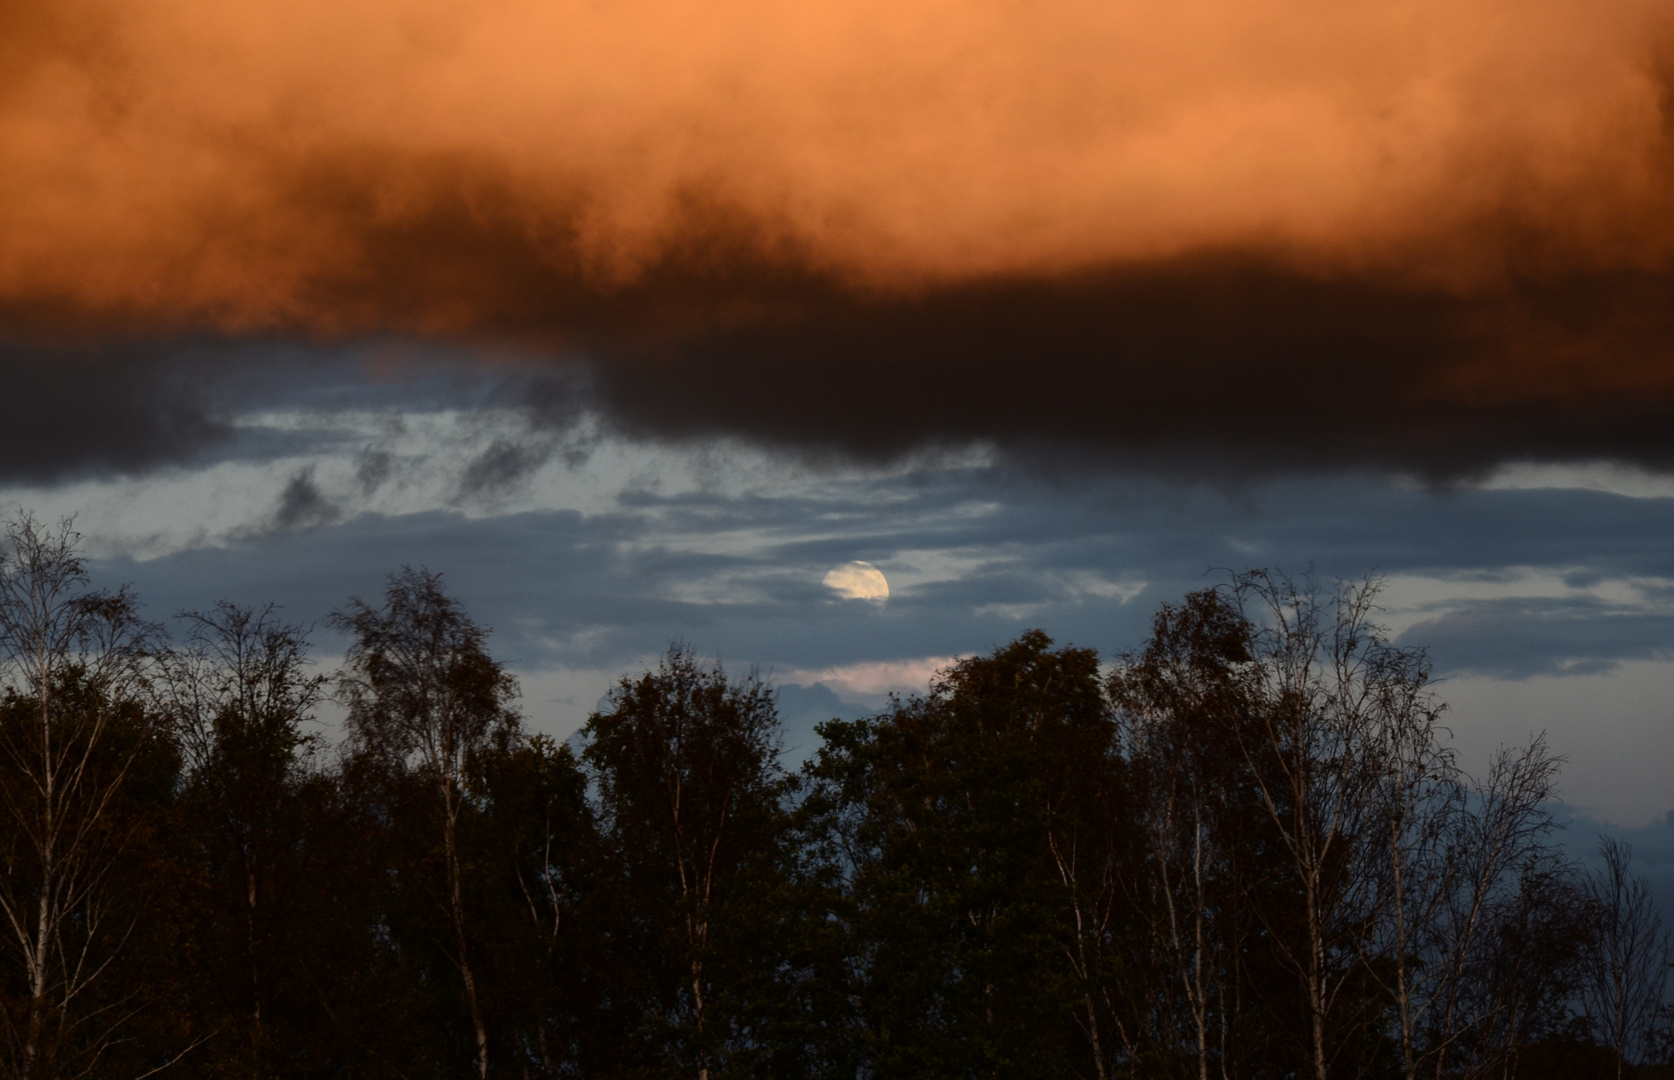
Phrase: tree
(1330, 699)
(1244, 851)
(1477, 966)
(1520, 981)
(1407, 888)
(74, 730)
(973, 835)
(426, 698)
(691, 801)
(1416, 798)
(1178, 706)
(1625, 973)
(240, 694)
(540, 861)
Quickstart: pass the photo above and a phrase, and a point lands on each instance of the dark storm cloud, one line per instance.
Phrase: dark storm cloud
(1197, 237)
(1225, 368)
(1218, 366)
(72, 411)
(129, 409)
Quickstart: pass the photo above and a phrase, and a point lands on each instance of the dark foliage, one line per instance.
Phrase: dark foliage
(1242, 851)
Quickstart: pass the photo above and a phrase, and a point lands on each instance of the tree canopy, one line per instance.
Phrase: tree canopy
(1244, 849)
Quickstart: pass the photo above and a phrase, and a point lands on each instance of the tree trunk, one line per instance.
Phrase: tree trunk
(456, 899)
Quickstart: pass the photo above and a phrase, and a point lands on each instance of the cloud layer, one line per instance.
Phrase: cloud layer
(1448, 227)
(279, 163)
(595, 569)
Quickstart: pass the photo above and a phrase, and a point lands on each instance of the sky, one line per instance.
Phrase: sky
(636, 319)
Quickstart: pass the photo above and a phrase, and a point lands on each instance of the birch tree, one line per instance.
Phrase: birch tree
(1323, 681)
(72, 661)
(1177, 706)
(425, 696)
(1414, 863)
(1483, 866)
(1625, 976)
(685, 760)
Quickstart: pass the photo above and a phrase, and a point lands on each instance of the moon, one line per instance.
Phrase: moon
(858, 581)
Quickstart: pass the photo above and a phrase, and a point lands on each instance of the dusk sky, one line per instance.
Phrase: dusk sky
(636, 319)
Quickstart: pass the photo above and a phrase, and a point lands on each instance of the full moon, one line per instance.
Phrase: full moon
(858, 581)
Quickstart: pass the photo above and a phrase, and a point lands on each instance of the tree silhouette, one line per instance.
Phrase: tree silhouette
(690, 794)
(425, 697)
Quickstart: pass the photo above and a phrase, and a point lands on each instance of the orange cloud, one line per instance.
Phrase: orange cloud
(585, 166)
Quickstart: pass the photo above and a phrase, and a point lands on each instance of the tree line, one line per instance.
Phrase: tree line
(1244, 850)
